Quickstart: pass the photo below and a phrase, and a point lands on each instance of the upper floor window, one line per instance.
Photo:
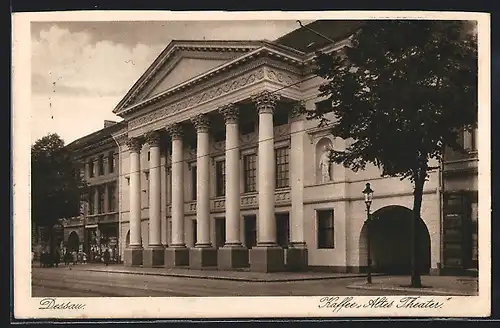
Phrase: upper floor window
(193, 182)
(250, 171)
(101, 195)
(220, 177)
(282, 167)
(91, 202)
(112, 197)
(100, 164)
(91, 169)
(111, 162)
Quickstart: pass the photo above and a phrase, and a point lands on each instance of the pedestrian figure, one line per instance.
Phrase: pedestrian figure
(106, 257)
(75, 257)
(67, 258)
(56, 258)
(84, 258)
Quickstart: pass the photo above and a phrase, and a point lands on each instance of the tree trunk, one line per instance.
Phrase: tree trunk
(416, 280)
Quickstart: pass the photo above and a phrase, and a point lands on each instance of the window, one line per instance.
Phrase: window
(193, 182)
(282, 169)
(91, 202)
(325, 229)
(280, 117)
(220, 176)
(324, 106)
(111, 162)
(112, 197)
(169, 184)
(149, 156)
(100, 162)
(91, 169)
(100, 192)
(250, 171)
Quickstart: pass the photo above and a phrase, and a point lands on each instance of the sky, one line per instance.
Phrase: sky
(81, 70)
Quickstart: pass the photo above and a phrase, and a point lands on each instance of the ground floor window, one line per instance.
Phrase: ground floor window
(325, 228)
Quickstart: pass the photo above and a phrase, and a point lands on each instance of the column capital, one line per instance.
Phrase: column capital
(175, 131)
(152, 138)
(298, 110)
(134, 144)
(201, 122)
(230, 113)
(265, 101)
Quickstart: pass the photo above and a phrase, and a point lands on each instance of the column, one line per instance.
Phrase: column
(267, 256)
(133, 255)
(233, 254)
(177, 254)
(106, 198)
(154, 255)
(203, 254)
(96, 200)
(296, 254)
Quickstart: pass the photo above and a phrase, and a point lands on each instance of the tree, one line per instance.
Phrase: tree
(400, 94)
(56, 184)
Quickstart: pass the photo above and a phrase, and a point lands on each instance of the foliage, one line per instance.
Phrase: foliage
(56, 183)
(399, 95)
(401, 92)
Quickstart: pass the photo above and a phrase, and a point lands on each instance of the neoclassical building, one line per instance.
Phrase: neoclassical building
(218, 168)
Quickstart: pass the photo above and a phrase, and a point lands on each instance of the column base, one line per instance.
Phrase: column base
(296, 259)
(267, 259)
(153, 256)
(232, 257)
(202, 257)
(176, 257)
(132, 256)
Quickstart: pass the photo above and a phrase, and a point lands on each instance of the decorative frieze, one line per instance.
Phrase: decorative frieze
(134, 144)
(207, 95)
(230, 113)
(152, 138)
(265, 101)
(175, 131)
(201, 122)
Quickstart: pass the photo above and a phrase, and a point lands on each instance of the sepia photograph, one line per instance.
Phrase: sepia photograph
(226, 163)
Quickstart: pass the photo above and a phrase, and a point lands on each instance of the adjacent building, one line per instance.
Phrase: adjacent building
(97, 228)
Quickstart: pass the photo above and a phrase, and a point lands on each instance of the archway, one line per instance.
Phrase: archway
(391, 242)
(73, 242)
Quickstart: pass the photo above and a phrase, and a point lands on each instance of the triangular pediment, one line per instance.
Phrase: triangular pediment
(185, 69)
(182, 61)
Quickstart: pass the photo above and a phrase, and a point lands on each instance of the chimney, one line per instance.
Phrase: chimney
(108, 123)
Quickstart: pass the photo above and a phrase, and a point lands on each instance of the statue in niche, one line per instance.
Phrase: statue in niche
(325, 165)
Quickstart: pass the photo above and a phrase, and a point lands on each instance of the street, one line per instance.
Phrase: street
(77, 282)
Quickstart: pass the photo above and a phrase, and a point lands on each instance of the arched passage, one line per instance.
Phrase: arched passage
(391, 241)
(73, 242)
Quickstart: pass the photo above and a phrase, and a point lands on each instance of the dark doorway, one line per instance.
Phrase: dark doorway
(73, 242)
(391, 242)
(282, 229)
(250, 222)
(220, 232)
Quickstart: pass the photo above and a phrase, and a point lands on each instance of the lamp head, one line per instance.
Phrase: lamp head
(368, 192)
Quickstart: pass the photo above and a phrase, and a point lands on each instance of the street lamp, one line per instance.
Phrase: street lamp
(368, 192)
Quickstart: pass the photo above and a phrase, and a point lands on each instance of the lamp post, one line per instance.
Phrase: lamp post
(368, 192)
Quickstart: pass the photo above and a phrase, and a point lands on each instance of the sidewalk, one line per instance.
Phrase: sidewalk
(212, 273)
(434, 285)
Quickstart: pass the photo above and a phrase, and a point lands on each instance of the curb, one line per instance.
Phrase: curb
(409, 290)
(180, 275)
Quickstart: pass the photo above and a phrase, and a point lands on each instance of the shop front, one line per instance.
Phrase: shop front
(100, 238)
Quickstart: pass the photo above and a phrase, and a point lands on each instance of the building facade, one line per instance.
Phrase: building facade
(97, 228)
(218, 168)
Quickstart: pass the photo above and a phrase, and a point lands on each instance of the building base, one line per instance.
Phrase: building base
(296, 259)
(153, 257)
(176, 257)
(267, 259)
(132, 256)
(232, 258)
(202, 257)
